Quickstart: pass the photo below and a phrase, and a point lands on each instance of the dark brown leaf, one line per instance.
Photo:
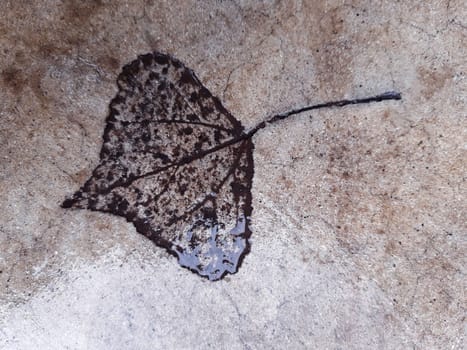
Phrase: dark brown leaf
(179, 166)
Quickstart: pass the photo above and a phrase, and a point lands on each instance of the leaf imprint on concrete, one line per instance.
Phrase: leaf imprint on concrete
(179, 166)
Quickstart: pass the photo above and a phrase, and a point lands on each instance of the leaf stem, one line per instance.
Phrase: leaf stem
(390, 95)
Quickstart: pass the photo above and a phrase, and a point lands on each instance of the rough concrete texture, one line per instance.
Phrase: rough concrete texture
(359, 219)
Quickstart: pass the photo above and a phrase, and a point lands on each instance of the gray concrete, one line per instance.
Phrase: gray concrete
(359, 229)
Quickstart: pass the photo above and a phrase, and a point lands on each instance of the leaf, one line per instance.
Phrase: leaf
(176, 164)
(179, 166)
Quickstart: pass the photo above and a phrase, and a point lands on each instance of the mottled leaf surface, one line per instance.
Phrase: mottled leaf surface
(176, 164)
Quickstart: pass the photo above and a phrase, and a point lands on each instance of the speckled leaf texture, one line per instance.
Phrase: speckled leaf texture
(176, 164)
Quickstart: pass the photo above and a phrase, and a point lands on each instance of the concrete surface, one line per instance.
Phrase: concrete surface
(359, 229)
